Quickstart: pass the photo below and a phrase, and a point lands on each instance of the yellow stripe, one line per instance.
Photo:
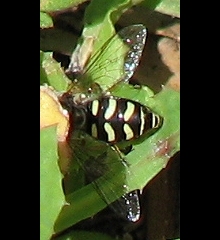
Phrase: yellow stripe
(129, 111)
(110, 132)
(111, 108)
(95, 107)
(142, 121)
(156, 121)
(94, 131)
(153, 120)
(128, 132)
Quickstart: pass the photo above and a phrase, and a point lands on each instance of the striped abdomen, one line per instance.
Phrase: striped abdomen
(113, 120)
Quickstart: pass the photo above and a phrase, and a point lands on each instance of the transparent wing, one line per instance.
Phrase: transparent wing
(128, 206)
(107, 172)
(116, 60)
(134, 37)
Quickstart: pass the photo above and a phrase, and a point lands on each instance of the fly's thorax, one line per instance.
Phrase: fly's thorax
(86, 94)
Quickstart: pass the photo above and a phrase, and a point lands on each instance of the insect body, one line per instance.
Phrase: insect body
(112, 120)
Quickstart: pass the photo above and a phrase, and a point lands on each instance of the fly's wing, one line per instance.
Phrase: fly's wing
(128, 206)
(116, 60)
(108, 173)
(134, 37)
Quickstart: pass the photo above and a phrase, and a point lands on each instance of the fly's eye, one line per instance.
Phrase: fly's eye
(79, 118)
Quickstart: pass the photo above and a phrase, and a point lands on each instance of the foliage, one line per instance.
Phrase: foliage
(145, 161)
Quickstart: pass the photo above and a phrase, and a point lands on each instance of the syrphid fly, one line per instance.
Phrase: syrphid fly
(100, 121)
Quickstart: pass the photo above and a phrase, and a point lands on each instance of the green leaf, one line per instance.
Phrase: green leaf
(45, 20)
(51, 193)
(169, 7)
(151, 4)
(97, 11)
(77, 210)
(55, 5)
(51, 73)
(99, 19)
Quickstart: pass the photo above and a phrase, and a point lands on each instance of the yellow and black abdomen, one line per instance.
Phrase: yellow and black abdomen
(114, 120)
